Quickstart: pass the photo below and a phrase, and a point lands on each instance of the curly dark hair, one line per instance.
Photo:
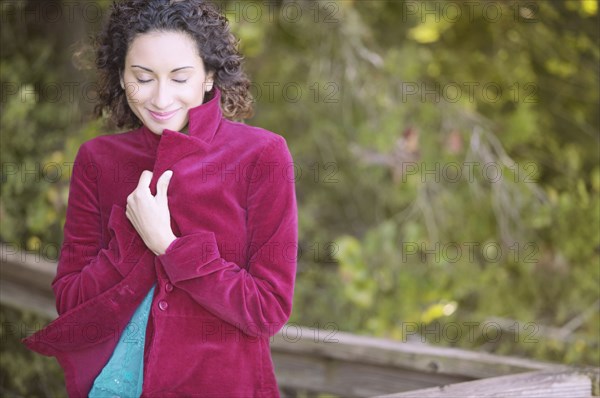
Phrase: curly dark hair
(199, 19)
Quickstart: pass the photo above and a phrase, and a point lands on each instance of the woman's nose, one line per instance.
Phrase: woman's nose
(163, 97)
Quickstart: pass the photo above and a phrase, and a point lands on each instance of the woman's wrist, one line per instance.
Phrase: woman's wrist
(165, 243)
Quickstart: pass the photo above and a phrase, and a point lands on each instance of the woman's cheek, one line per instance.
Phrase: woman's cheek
(192, 92)
(143, 94)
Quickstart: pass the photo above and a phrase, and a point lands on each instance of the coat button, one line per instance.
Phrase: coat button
(163, 305)
(168, 287)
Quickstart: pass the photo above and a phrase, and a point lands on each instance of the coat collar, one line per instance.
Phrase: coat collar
(203, 123)
(171, 146)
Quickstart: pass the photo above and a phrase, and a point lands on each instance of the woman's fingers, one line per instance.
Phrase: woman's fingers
(145, 178)
(149, 214)
(163, 184)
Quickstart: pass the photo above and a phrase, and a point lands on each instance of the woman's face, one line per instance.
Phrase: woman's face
(163, 78)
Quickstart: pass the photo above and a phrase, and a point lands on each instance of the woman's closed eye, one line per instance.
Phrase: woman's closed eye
(181, 81)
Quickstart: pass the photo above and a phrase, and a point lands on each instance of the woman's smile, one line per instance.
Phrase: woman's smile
(162, 116)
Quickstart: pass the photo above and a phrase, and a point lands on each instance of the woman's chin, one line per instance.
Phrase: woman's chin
(158, 128)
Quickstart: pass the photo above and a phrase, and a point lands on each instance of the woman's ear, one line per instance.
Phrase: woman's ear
(209, 82)
(121, 79)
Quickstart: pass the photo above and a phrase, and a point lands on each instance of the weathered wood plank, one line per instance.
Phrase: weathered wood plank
(544, 384)
(14, 295)
(26, 268)
(348, 378)
(427, 359)
(25, 281)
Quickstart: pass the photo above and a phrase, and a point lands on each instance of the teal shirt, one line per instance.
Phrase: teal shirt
(123, 375)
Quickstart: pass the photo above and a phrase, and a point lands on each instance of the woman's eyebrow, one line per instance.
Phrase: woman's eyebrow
(150, 70)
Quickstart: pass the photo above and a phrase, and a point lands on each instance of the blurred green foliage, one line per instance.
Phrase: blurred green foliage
(395, 103)
(25, 373)
(448, 176)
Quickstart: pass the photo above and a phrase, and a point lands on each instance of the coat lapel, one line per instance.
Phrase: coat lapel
(203, 123)
(173, 146)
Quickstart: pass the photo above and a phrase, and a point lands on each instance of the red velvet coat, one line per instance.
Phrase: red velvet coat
(224, 286)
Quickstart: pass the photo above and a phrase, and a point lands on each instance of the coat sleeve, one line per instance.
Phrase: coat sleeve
(256, 298)
(85, 269)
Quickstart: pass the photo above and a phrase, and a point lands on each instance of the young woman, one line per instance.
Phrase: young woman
(179, 253)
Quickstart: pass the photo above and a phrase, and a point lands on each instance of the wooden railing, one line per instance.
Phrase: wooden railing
(315, 361)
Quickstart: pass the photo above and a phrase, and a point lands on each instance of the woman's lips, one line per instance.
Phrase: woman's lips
(162, 116)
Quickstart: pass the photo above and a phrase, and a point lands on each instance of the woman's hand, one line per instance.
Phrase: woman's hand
(150, 214)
